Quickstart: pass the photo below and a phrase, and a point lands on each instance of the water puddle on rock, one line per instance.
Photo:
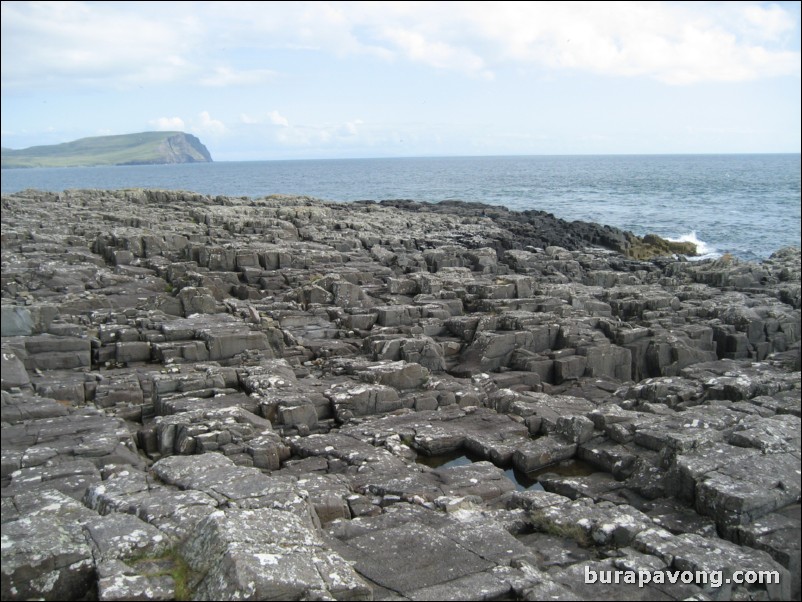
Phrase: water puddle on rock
(523, 481)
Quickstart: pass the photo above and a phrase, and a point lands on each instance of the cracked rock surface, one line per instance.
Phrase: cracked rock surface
(284, 398)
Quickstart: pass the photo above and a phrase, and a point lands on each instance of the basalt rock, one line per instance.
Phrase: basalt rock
(286, 398)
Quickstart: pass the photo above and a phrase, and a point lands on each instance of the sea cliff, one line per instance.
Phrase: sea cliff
(216, 397)
(144, 148)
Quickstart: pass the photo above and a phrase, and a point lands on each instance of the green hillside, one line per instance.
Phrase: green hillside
(145, 148)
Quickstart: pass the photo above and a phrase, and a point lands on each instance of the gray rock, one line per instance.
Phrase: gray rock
(13, 372)
(778, 534)
(293, 356)
(542, 452)
(576, 429)
(45, 554)
(197, 300)
(363, 400)
(477, 586)
(267, 554)
(136, 587)
(124, 536)
(742, 491)
(411, 557)
(587, 522)
(230, 485)
(16, 321)
(695, 553)
(481, 479)
(398, 375)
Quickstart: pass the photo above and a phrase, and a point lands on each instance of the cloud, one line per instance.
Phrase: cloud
(415, 46)
(49, 43)
(249, 119)
(320, 136)
(122, 44)
(766, 22)
(207, 125)
(273, 117)
(277, 118)
(203, 124)
(351, 128)
(673, 43)
(168, 124)
(225, 76)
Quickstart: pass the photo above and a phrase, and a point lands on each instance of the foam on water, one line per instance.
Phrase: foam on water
(703, 250)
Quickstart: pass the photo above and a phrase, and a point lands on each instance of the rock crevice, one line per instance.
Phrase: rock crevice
(284, 398)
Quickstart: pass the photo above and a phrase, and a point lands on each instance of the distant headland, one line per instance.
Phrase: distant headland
(144, 148)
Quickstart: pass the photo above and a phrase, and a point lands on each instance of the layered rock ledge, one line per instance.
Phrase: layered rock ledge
(224, 398)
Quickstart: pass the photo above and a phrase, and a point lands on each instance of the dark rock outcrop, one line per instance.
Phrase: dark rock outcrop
(253, 398)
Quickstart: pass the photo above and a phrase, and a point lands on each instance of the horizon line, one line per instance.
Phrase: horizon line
(509, 156)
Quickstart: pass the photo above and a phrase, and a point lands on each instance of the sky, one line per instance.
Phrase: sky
(311, 80)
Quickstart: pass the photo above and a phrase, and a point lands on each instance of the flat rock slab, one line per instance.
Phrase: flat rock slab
(18, 408)
(412, 552)
(542, 452)
(476, 586)
(124, 536)
(116, 588)
(13, 371)
(355, 336)
(410, 557)
(85, 433)
(587, 523)
(230, 485)
(481, 431)
(742, 491)
(45, 553)
(267, 555)
(696, 553)
(481, 479)
(597, 486)
(174, 512)
(49, 471)
(573, 579)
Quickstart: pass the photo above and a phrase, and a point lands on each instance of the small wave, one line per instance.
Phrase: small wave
(703, 250)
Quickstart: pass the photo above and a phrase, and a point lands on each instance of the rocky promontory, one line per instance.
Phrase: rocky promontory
(143, 148)
(284, 398)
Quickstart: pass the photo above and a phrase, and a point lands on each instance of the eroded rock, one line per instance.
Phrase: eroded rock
(229, 398)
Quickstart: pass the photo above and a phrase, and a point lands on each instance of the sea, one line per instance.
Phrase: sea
(744, 205)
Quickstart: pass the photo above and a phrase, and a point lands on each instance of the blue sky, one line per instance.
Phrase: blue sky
(297, 80)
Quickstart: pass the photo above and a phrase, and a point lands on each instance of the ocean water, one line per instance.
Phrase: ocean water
(746, 205)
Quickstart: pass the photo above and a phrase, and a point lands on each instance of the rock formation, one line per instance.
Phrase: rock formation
(220, 398)
(143, 148)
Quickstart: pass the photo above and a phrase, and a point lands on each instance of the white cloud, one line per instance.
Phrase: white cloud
(168, 123)
(319, 136)
(249, 119)
(225, 76)
(351, 128)
(273, 117)
(676, 44)
(277, 118)
(75, 42)
(767, 22)
(207, 125)
(417, 47)
(64, 43)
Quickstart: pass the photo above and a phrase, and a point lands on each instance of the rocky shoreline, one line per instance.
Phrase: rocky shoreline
(232, 398)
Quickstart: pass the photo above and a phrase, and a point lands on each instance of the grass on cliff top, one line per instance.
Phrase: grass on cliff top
(101, 150)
